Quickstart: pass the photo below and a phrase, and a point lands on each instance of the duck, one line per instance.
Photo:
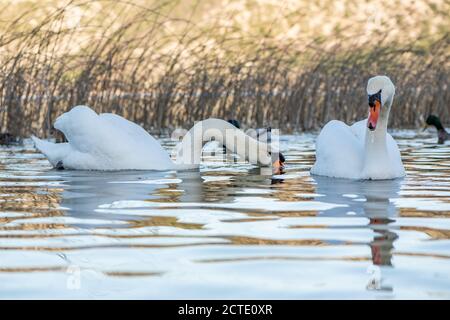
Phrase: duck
(364, 150)
(110, 142)
(433, 120)
(7, 139)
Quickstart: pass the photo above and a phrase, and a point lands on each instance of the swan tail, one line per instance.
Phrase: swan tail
(54, 152)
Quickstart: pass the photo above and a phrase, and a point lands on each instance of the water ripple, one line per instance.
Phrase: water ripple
(228, 231)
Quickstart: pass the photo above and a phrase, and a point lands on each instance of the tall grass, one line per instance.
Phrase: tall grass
(164, 71)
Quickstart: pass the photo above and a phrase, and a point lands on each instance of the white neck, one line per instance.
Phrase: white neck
(376, 152)
(189, 151)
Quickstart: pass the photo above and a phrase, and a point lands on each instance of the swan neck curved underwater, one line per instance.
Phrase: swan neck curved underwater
(190, 149)
(364, 150)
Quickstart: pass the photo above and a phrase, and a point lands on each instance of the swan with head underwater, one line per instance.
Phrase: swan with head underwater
(364, 150)
(110, 142)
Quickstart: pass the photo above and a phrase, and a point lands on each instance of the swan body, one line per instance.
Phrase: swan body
(363, 150)
(110, 142)
(103, 142)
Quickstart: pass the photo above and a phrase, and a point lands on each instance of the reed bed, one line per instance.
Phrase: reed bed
(163, 71)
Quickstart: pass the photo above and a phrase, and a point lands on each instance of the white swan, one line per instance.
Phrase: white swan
(110, 142)
(364, 150)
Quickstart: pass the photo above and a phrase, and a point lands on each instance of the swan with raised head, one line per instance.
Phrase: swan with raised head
(110, 142)
(364, 150)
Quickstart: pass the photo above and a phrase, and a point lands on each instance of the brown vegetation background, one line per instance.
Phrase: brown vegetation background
(292, 64)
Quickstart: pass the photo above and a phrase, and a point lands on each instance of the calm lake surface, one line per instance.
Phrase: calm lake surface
(228, 231)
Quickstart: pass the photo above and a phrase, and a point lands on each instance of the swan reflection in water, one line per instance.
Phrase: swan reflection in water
(86, 191)
(370, 199)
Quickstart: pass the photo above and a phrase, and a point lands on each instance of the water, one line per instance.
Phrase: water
(227, 231)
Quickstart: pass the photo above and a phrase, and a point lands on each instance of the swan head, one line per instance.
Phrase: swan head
(278, 161)
(380, 91)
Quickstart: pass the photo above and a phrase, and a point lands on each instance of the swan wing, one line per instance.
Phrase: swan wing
(339, 150)
(106, 142)
(140, 142)
(129, 129)
(359, 129)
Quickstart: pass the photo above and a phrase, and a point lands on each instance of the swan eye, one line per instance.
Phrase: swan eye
(374, 97)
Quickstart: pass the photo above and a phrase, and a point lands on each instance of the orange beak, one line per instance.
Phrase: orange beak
(374, 113)
(278, 166)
